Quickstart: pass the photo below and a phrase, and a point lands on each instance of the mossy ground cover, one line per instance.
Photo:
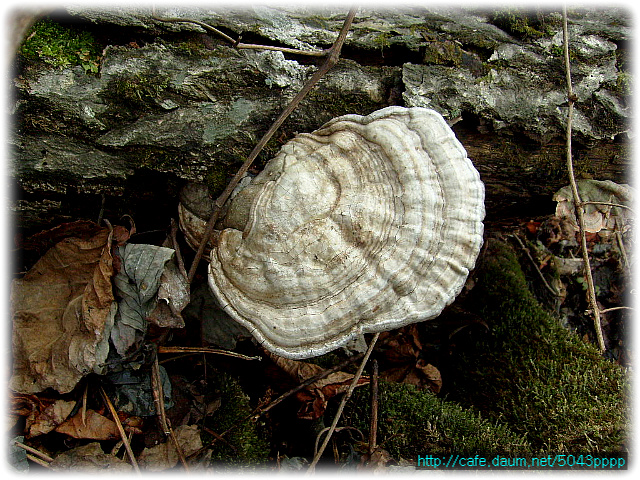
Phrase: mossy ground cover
(245, 445)
(532, 374)
(415, 423)
(527, 387)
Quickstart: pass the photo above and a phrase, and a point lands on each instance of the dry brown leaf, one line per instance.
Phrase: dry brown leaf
(295, 368)
(59, 311)
(376, 462)
(404, 351)
(46, 418)
(96, 427)
(89, 458)
(164, 456)
(315, 396)
(431, 374)
(44, 240)
(173, 297)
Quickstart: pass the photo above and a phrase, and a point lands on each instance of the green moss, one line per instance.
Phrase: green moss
(624, 83)
(335, 103)
(61, 46)
(244, 446)
(544, 164)
(316, 21)
(154, 158)
(136, 91)
(413, 422)
(443, 53)
(382, 40)
(191, 46)
(521, 23)
(217, 179)
(534, 375)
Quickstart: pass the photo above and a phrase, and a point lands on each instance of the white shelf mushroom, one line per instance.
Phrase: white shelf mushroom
(368, 224)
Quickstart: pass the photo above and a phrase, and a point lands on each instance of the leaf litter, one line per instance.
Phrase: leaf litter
(101, 304)
(60, 310)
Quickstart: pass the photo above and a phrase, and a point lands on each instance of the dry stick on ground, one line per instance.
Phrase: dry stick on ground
(38, 460)
(338, 429)
(83, 409)
(256, 414)
(123, 435)
(619, 205)
(176, 247)
(373, 430)
(346, 397)
(612, 309)
(39, 457)
(333, 55)
(579, 206)
(621, 247)
(217, 351)
(158, 398)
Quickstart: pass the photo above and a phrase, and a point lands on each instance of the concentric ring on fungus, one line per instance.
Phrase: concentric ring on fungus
(368, 224)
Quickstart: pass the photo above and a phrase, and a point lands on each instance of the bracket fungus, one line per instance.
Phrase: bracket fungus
(367, 224)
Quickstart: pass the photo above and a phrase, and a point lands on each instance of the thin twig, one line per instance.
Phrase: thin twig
(236, 43)
(261, 411)
(123, 435)
(535, 265)
(220, 438)
(34, 451)
(307, 382)
(83, 410)
(611, 309)
(373, 427)
(579, 206)
(339, 429)
(217, 351)
(158, 397)
(176, 248)
(37, 460)
(621, 247)
(346, 397)
(330, 61)
(609, 204)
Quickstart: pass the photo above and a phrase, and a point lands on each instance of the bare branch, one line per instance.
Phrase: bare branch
(236, 43)
(346, 397)
(579, 206)
(331, 60)
(608, 204)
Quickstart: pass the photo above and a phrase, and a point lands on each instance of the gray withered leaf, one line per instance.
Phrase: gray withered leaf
(136, 286)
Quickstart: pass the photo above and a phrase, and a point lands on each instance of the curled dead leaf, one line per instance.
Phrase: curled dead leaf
(60, 311)
(45, 415)
(314, 397)
(150, 288)
(94, 426)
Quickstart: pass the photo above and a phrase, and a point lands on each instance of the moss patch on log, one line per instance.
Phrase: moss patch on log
(544, 382)
(413, 422)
